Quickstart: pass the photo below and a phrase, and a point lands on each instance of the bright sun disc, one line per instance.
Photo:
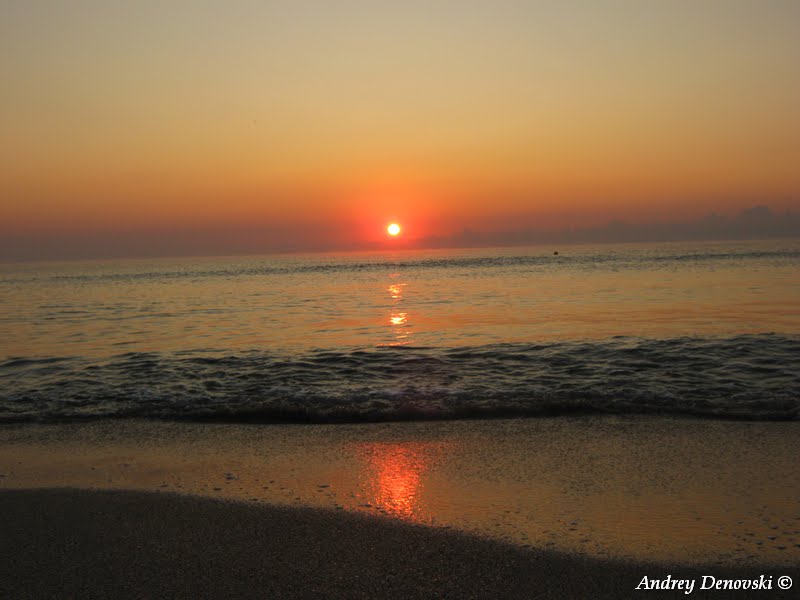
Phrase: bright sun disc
(393, 229)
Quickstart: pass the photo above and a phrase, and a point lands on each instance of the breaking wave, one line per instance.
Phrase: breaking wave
(745, 377)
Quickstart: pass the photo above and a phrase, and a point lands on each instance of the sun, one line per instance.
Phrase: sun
(393, 229)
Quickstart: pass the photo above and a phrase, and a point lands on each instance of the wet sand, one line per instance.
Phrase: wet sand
(643, 489)
(113, 544)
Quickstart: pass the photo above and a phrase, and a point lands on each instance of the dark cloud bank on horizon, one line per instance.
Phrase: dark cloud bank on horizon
(758, 222)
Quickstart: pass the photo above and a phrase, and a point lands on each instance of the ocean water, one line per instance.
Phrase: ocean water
(701, 329)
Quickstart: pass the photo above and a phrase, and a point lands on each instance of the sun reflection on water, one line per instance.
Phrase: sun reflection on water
(398, 319)
(396, 290)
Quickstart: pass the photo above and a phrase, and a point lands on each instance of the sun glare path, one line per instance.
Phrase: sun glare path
(393, 229)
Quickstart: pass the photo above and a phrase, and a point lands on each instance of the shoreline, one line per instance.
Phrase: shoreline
(125, 544)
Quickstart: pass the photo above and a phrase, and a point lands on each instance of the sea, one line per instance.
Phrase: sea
(704, 329)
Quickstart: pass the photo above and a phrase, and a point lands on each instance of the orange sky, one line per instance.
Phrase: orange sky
(331, 119)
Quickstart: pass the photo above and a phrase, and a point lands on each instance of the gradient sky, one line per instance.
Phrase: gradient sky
(317, 122)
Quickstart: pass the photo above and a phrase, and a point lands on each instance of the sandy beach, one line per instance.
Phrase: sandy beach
(92, 544)
(551, 508)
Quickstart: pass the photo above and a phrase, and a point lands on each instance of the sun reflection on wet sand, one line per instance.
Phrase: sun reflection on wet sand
(394, 476)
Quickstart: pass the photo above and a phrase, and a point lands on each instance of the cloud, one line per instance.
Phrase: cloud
(758, 222)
